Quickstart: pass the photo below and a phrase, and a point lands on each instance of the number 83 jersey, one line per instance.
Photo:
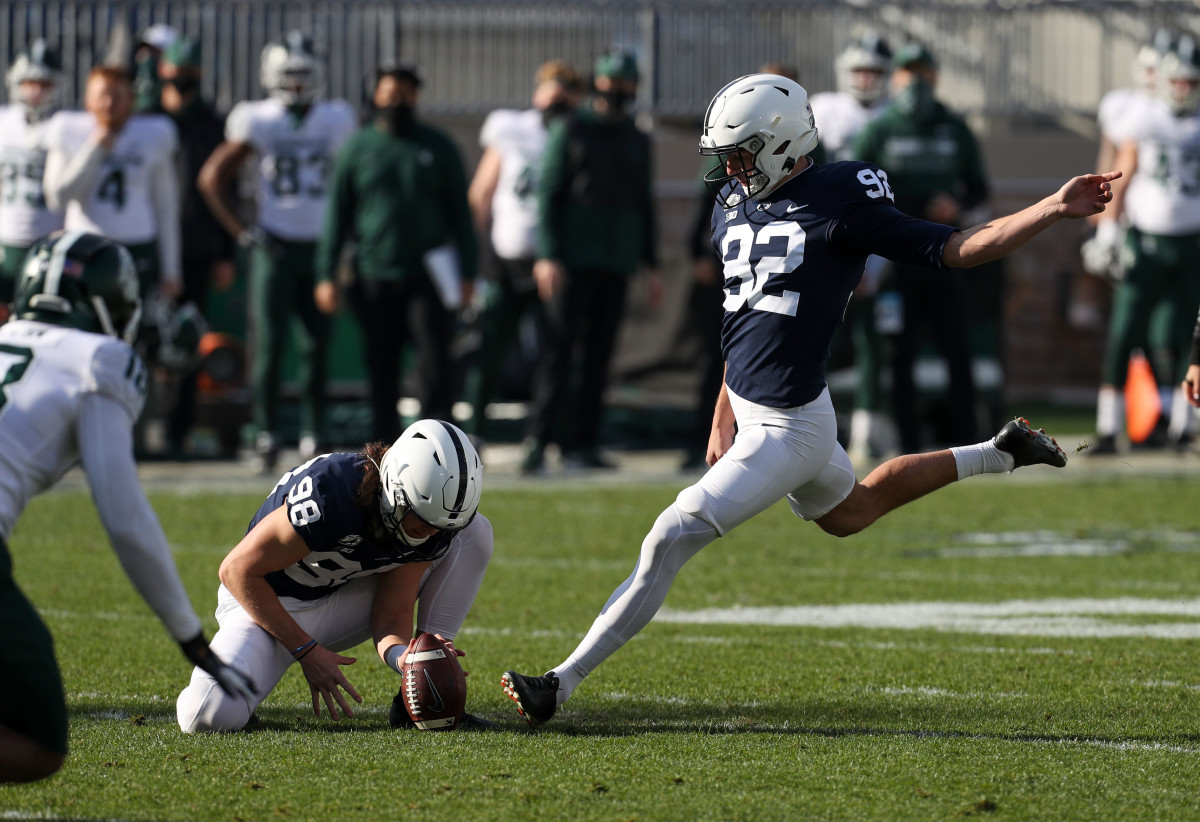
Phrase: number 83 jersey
(295, 156)
(791, 263)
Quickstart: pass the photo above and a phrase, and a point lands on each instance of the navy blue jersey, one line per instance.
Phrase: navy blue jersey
(791, 265)
(320, 500)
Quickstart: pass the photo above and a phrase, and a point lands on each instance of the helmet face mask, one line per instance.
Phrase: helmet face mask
(767, 117)
(863, 69)
(1178, 77)
(290, 71)
(434, 473)
(82, 281)
(34, 79)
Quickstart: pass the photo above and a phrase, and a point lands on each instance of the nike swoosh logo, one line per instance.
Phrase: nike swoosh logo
(438, 706)
(792, 208)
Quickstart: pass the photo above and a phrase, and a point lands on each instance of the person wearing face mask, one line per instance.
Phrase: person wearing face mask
(399, 191)
(207, 249)
(503, 197)
(934, 165)
(292, 138)
(596, 226)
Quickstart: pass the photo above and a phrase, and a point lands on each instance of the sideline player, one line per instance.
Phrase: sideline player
(341, 551)
(33, 83)
(863, 72)
(113, 172)
(293, 137)
(1160, 199)
(72, 387)
(794, 237)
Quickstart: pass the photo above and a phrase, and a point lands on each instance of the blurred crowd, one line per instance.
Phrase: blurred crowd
(316, 207)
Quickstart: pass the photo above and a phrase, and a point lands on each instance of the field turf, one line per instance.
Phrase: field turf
(1005, 649)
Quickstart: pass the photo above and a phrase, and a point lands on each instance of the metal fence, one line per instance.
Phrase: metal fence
(998, 58)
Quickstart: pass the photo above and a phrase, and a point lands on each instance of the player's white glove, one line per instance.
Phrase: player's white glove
(201, 655)
(1102, 252)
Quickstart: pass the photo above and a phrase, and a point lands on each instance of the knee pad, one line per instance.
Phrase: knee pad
(203, 706)
(676, 537)
(694, 501)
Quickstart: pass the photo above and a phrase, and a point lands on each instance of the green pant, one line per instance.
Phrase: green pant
(31, 691)
(1160, 285)
(12, 259)
(281, 290)
(506, 306)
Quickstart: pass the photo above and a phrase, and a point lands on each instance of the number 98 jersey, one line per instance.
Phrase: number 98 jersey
(791, 264)
(320, 499)
(295, 156)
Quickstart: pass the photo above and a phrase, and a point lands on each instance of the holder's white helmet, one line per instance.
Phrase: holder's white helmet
(290, 71)
(769, 117)
(433, 471)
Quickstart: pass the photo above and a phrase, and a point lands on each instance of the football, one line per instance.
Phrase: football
(435, 687)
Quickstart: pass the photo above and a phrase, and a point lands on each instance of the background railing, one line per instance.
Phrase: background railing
(998, 58)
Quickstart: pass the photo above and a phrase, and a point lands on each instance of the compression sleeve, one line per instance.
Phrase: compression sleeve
(106, 448)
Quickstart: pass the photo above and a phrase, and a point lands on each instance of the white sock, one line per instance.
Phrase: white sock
(1110, 411)
(982, 458)
(1181, 416)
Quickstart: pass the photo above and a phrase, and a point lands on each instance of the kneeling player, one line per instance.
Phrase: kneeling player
(343, 549)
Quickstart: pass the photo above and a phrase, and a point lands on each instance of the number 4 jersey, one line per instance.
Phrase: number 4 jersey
(791, 264)
(23, 213)
(295, 155)
(45, 372)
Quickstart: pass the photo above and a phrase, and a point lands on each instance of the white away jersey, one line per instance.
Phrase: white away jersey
(122, 203)
(1164, 193)
(839, 118)
(45, 370)
(23, 213)
(294, 160)
(1119, 111)
(520, 139)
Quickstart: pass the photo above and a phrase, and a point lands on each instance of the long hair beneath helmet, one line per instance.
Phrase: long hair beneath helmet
(367, 496)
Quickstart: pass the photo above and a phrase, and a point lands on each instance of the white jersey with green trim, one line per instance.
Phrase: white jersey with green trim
(45, 372)
(122, 202)
(1164, 193)
(24, 216)
(519, 137)
(295, 158)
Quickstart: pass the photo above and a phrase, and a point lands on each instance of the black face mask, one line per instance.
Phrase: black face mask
(184, 83)
(616, 99)
(557, 109)
(398, 119)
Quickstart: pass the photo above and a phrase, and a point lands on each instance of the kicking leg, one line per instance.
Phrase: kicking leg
(901, 480)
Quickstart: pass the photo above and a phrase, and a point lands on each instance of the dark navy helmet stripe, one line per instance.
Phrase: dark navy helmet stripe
(462, 467)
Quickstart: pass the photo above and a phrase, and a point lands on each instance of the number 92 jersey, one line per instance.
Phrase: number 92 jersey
(320, 497)
(791, 264)
(295, 155)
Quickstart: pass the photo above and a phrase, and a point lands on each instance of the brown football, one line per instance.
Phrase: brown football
(435, 687)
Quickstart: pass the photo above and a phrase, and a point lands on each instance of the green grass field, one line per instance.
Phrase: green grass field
(1046, 666)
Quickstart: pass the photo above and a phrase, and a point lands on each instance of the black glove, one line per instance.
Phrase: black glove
(233, 683)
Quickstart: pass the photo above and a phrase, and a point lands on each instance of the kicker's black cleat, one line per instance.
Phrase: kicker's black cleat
(536, 696)
(1028, 447)
(399, 719)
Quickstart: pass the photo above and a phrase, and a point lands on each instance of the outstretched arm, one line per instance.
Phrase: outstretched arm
(1082, 196)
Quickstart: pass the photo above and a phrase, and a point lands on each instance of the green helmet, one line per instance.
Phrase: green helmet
(81, 281)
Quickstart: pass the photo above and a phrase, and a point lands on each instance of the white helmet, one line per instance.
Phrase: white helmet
(39, 64)
(433, 471)
(768, 116)
(870, 53)
(1145, 63)
(290, 71)
(1179, 76)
